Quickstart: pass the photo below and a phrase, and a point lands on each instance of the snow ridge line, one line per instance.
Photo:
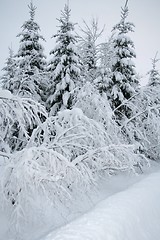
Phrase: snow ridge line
(128, 215)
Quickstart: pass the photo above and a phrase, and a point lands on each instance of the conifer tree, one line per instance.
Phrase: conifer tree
(107, 53)
(154, 76)
(30, 58)
(90, 49)
(124, 81)
(65, 65)
(106, 58)
(9, 72)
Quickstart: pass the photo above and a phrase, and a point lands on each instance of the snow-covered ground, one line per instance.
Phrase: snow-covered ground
(128, 215)
(122, 207)
(55, 218)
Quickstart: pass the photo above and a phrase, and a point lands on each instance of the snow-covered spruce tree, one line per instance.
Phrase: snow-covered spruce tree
(9, 72)
(124, 81)
(154, 76)
(89, 49)
(106, 57)
(64, 67)
(31, 60)
(107, 53)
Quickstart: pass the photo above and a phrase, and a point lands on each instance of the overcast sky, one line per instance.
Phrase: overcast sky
(145, 14)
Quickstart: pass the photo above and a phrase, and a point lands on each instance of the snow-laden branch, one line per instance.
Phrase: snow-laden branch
(18, 118)
(3, 154)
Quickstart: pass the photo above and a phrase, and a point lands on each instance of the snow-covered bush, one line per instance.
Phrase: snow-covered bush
(144, 125)
(71, 133)
(94, 105)
(63, 158)
(18, 118)
(35, 174)
(80, 138)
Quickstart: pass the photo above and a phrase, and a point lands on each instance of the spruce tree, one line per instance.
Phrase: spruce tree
(107, 53)
(154, 76)
(8, 77)
(124, 81)
(106, 58)
(89, 49)
(30, 58)
(64, 66)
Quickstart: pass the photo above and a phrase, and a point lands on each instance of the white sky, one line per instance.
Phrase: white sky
(145, 14)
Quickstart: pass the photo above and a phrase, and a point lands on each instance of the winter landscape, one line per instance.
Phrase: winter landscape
(79, 134)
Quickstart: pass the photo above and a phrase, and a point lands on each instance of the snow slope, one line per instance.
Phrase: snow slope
(53, 218)
(128, 215)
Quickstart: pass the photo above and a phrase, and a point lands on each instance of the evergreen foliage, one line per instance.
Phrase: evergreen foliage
(106, 57)
(123, 82)
(64, 67)
(31, 59)
(90, 49)
(100, 127)
(154, 76)
(8, 77)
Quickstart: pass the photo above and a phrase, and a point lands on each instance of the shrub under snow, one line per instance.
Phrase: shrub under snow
(143, 126)
(63, 157)
(18, 118)
(75, 136)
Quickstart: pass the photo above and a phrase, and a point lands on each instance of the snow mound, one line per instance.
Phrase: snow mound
(128, 215)
(5, 94)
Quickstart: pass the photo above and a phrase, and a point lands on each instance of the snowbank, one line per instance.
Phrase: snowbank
(128, 215)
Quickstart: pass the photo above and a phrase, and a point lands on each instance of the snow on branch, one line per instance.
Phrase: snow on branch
(64, 157)
(143, 126)
(18, 117)
(76, 136)
(34, 174)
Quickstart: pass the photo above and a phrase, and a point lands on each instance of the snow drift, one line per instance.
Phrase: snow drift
(128, 215)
